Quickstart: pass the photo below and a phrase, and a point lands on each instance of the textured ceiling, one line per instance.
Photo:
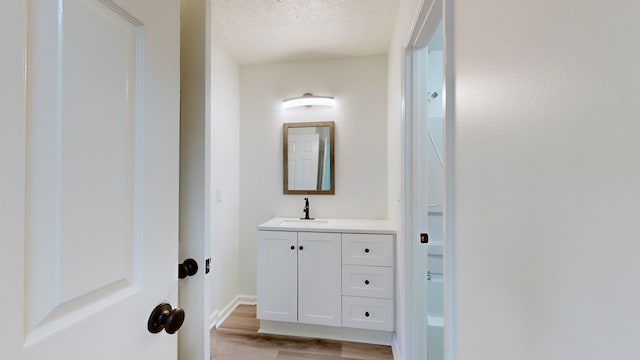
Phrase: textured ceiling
(263, 31)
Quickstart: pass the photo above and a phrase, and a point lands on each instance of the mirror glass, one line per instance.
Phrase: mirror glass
(309, 158)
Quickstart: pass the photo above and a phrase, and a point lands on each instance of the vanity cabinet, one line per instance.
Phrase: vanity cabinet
(299, 277)
(331, 272)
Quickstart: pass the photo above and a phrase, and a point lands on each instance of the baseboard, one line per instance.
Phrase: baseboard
(395, 349)
(246, 300)
(219, 315)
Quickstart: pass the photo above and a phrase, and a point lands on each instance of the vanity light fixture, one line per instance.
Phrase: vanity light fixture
(308, 100)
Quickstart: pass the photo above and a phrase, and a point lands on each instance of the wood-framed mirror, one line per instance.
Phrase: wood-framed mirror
(309, 158)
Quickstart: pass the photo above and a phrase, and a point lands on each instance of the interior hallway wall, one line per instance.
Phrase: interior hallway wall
(359, 85)
(225, 180)
(547, 174)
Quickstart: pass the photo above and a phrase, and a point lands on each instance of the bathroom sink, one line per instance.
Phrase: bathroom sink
(299, 222)
(328, 225)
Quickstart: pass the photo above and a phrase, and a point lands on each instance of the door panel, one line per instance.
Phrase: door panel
(83, 191)
(99, 149)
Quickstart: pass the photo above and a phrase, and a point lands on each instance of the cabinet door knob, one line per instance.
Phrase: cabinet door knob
(301, 247)
(293, 247)
(366, 314)
(366, 250)
(366, 282)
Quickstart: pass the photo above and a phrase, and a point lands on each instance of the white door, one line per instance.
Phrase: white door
(89, 102)
(427, 207)
(303, 159)
(320, 278)
(433, 161)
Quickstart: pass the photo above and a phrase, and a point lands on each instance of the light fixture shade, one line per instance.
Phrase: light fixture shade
(308, 100)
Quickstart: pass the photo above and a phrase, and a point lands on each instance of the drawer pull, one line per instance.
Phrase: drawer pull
(366, 314)
(366, 250)
(366, 282)
(301, 247)
(293, 247)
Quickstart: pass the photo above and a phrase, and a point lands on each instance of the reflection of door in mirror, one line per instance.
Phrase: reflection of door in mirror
(303, 156)
(308, 158)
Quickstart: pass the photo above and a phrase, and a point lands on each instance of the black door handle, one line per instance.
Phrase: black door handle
(188, 268)
(163, 317)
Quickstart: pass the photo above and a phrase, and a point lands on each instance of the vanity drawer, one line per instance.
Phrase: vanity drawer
(367, 313)
(367, 249)
(372, 281)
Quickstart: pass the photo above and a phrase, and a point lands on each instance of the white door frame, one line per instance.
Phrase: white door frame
(195, 184)
(430, 14)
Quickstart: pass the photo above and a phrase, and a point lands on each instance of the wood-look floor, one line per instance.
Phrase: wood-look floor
(237, 339)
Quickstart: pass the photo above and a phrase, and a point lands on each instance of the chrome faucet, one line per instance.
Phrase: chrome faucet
(306, 210)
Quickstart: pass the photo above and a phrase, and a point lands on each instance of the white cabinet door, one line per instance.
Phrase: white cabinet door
(277, 276)
(319, 278)
(89, 192)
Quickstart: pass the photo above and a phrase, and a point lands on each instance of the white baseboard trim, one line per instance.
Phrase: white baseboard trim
(218, 316)
(247, 300)
(213, 319)
(395, 349)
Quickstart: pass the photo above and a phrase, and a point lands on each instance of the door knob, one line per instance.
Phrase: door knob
(164, 317)
(188, 268)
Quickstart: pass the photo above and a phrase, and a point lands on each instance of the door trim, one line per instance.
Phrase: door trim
(428, 17)
(195, 174)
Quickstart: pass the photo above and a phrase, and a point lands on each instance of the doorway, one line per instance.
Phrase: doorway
(428, 190)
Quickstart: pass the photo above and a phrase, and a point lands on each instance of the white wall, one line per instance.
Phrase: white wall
(359, 86)
(225, 179)
(547, 174)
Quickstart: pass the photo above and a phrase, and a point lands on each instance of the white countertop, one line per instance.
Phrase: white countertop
(329, 225)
